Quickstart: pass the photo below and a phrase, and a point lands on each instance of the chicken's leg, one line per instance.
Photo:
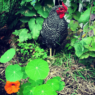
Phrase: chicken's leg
(50, 51)
(54, 52)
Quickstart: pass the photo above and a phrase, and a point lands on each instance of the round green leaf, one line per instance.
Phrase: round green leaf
(37, 69)
(54, 83)
(44, 89)
(28, 90)
(7, 56)
(13, 73)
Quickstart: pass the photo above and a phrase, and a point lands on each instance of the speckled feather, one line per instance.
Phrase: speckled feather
(54, 29)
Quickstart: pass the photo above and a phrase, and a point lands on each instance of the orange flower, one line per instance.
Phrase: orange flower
(12, 87)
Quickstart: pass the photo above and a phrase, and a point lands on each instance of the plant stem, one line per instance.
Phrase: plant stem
(2, 80)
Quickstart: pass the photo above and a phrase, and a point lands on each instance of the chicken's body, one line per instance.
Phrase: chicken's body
(54, 29)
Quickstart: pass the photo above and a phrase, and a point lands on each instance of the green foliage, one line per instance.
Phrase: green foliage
(35, 27)
(35, 24)
(44, 11)
(85, 16)
(7, 13)
(30, 50)
(3, 20)
(12, 71)
(40, 53)
(37, 74)
(8, 55)
(39, 67)
(36, 70)
(23, 34)
(84, 48)
(73, 25)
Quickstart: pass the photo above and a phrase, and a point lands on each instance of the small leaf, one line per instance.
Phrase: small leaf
(23, 36)
(8, 55)
(16, 32)
(84, 16)
(44, 11)
(78, 49)
(13, 73)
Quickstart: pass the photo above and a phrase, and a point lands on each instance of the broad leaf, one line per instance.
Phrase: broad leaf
(37, 69)
(13, 73)
(8, 55)
(84, 16)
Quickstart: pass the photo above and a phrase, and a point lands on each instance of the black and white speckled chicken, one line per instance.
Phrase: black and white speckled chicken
(54, 28)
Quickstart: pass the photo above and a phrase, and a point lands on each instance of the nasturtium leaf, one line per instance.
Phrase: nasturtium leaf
(44, 89)
(54, 83)
(57, 77)
(61, 85)
(24, 74)
(22, 88)
(35, 83)
(8, 55)
(13, 73)
(37, 69)
(28, 90)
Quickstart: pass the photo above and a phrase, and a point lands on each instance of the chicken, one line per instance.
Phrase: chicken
(54, 28)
